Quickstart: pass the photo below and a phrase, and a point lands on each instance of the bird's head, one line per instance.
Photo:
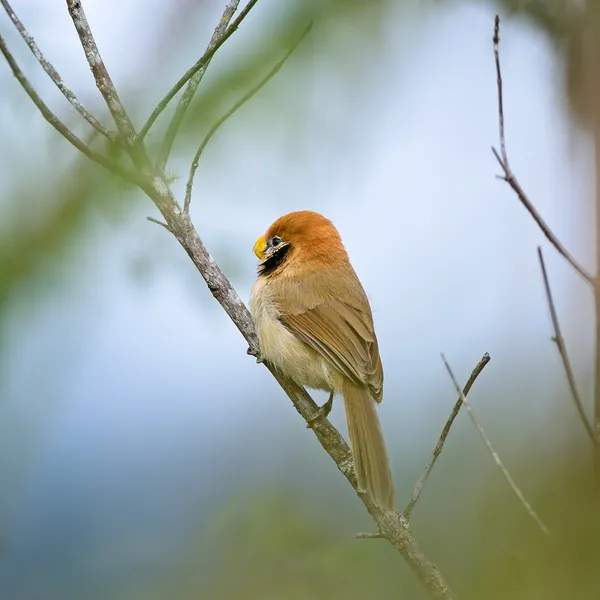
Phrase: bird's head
(302, 238)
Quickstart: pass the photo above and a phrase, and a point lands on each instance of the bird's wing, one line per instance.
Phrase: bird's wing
(342, 333)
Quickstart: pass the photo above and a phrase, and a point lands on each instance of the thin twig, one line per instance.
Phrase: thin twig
(562, 350)
(55, 76)
(247, 96)
(369, 536)
(153, 220)
(510, 177)
(200, 63)
(98, 68)
(495, 456)
(192, 86)
(58, 124)
(440, 444)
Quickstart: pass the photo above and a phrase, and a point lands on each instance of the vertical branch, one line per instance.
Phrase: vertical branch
(511, 178)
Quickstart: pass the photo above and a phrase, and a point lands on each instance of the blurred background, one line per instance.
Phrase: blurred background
(143, 455)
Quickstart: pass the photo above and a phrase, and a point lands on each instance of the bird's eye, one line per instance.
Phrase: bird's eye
(275, 241)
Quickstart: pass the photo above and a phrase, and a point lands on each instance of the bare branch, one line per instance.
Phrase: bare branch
(247, 96)
(510, 177)
(200, 64)
(440, 444)
(495, 456)
(55, 76)
(59, 125)
(98, 68)
(191, 88)
(562, 350)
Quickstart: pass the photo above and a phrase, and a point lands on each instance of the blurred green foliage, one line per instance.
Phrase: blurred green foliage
(275, 545)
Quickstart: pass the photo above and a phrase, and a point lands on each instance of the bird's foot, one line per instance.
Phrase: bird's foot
(322, 412)
(253, 351)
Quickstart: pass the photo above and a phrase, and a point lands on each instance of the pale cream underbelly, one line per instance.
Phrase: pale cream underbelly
(284, 351)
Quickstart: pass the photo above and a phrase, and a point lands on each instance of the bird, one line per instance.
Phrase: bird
(315, 326)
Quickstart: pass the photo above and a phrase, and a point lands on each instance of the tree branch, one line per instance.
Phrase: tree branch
(192, 86)
(442, 440)
(247, 96)
(200, 64)
(510, 177)
(495, 456)
(55, 76)
(98, 68)
(562, 350)
(59, 125)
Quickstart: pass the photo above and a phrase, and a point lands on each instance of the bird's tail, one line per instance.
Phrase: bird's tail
(368, 447)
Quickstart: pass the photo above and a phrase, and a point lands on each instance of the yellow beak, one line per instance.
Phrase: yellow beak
(259, 247)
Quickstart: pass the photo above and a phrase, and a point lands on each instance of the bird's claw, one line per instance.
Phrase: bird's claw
(323, 411)
(256, 353)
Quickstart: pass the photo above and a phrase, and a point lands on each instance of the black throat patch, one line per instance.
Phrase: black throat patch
(269, 266)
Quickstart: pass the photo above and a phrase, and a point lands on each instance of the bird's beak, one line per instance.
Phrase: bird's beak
(260, 247)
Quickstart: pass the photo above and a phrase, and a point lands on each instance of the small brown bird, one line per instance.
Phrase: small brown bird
(314, 325)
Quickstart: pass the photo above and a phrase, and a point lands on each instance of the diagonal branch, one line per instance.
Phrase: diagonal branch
(58, 124)
(247, 96)
(510, 177)
(191, 88)
(200, 64)
(495, 456)
(562, 350)
(98, 68)
(55, 76)
(440, 445)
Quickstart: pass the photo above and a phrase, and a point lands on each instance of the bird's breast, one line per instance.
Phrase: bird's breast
(281, 348)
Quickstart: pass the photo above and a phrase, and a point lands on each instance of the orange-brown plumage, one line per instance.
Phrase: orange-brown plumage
(314, 324)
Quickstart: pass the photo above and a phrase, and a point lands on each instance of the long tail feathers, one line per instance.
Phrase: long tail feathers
(368, 447)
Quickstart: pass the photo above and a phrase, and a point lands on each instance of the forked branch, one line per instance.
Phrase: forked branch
(59, 125)
(510, 178)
